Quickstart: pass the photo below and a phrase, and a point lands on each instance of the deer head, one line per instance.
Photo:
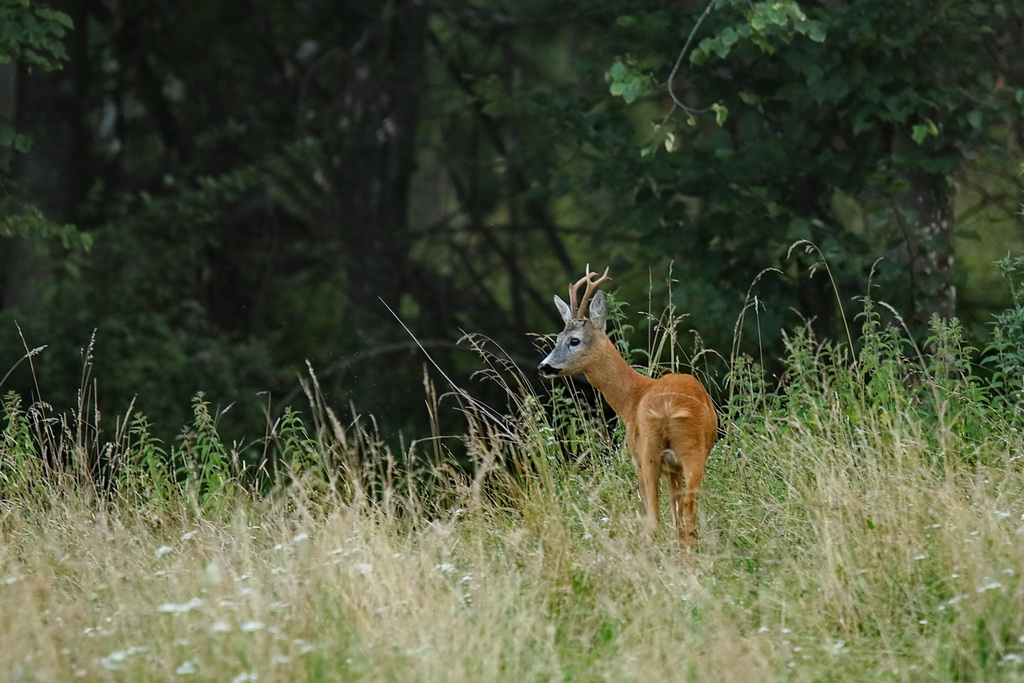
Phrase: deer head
(578, 344)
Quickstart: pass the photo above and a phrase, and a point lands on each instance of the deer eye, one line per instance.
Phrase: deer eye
(574, 341)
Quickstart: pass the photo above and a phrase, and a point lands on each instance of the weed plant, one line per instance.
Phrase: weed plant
(862, 519)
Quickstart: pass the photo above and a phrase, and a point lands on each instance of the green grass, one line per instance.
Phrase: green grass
(863, 520)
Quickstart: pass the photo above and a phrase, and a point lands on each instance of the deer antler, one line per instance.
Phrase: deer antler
(578, 311)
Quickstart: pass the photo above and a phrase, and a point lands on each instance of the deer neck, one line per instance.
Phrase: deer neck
(617, 381)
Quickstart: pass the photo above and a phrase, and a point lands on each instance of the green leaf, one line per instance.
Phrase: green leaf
(9, 137)
(921, 131)
(32, 34)
(702, 52)
(626, 81)
(815, 30)
(29, 222)
(721, 113)
(53, 16)
(778, 16)
(670, 142)
(616, 71)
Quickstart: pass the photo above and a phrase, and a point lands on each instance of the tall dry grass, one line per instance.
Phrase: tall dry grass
(862, 519)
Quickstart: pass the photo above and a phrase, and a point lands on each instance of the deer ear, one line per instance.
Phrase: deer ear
(598, 311)
(563, 309)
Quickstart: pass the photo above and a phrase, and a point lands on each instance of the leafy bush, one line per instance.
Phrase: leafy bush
(1007, 347)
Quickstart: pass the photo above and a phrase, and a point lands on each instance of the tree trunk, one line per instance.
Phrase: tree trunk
(371, 135)
(924, 213)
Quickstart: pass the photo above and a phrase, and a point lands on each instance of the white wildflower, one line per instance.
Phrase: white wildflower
(211, 573)
(172, 608)
(952, 601)
(112, 662)
(303, 646)
(186, 669)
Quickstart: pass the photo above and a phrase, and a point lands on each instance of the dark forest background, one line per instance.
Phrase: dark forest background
(221, 191)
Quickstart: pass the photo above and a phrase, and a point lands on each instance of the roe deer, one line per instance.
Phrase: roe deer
(670, 422)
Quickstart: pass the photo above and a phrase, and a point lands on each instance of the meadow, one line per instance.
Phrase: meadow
(862, 518)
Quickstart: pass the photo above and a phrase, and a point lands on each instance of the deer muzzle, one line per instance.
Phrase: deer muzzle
(548, 371)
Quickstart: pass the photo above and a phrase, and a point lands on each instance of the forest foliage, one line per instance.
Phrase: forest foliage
(217, 207)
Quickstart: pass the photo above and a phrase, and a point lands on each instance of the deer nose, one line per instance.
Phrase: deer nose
(547, 370)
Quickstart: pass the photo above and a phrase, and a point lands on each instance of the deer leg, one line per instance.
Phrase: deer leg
(649, 473)
(676, 483)
(647, 448)
(677, 488)
(693, 475)
(685, 483)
